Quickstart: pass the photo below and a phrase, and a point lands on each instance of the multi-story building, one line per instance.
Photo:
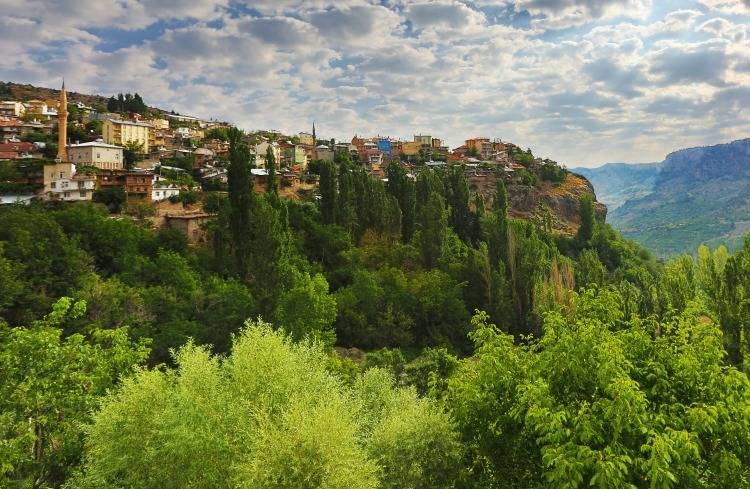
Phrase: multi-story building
(62, 182)
(13, 151)
(411, 148)
(97, 153)
(345, 147)
(261, 149)
(36, 106)
(139, 185)
(14, 129)
(159, 123)
(10, 108)
(121, 132)
(297, 156)
(324, 152)
(218, 146)
(306, 138)
(423, 140)
(385, 146)
(482, 146)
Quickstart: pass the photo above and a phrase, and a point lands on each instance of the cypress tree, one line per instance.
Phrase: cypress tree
(432, 226)
(586, 212)
(328, 192)
(403, 189)
(240, 195)
(272, 186)
(458, 200)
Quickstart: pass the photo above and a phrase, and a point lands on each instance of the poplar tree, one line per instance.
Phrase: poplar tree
(586, 212)
(271, 169)
(240, 196)
(403, 189)
(328, 192)
(432, 225)
(458, 200)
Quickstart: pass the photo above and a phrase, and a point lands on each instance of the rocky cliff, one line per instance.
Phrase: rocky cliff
(555, 202)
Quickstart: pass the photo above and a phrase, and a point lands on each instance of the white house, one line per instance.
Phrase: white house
(162, 189)
(62, 182)
(96, 153)
(260, 153)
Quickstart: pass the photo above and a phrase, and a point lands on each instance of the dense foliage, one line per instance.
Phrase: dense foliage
(605, 367)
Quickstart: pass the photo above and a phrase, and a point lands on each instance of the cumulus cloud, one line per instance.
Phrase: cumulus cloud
(566, 13)
(578, 80)
(703, 63)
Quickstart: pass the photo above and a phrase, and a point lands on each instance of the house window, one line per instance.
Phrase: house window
(98, 156)
(66, 194)
(53, 185)
(61, 174)
(82, 193)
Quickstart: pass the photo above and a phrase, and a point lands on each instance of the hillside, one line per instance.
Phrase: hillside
(615, 183)
(699, 195)
(530, 202)
(24, 92)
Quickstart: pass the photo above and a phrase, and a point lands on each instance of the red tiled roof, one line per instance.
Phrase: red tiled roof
(16, 147)
(10, 123)
(8, 155)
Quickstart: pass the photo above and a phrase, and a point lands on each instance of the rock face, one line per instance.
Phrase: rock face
(556, 202)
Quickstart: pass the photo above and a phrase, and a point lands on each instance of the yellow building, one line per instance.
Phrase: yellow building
(306, 138)
(160, 123)
(121, 132)
(411, 148)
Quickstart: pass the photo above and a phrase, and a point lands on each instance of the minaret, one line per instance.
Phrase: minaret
(315, 144)
(62, 126)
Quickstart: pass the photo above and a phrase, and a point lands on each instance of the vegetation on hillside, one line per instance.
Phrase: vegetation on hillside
(489, 352)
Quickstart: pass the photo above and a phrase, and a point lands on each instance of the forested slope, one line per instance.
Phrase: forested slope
(498, 353)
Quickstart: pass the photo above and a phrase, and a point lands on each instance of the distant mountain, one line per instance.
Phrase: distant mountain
(698, 195)
(615, 183)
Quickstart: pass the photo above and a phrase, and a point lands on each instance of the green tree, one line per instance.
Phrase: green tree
(112, 197)
(586, 216)
(240, 197)
(401, 187)
(307, 310)
(50, 386)
(458, 202)
(432, 227)
(132, 153)
(272, 185)
(270, 415)
(589, 269)
(601, 401)
(328, 192)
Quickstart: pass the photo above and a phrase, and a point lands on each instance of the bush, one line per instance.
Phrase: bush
(553, 173)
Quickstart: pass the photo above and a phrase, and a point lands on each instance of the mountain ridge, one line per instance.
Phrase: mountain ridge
(698, 195)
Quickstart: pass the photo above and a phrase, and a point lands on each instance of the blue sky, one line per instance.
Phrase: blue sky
(581, 81)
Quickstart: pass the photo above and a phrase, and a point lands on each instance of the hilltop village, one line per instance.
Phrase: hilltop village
(156, 165)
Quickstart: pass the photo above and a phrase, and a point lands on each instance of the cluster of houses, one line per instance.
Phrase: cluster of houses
(81, 168)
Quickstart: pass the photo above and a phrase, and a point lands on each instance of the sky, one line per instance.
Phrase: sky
(583, 82)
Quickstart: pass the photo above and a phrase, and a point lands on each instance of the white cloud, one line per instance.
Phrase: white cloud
(618, 84)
